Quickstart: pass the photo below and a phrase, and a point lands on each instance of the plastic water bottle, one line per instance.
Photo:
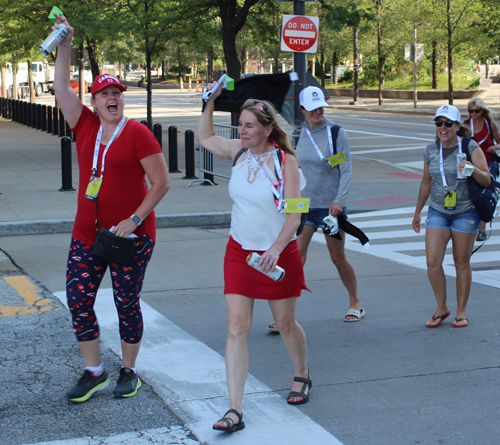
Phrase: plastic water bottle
(56, 37)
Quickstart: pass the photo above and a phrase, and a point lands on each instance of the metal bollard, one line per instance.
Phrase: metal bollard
(68, 130)
(39, 116)
(55, 121)
(33, 115)
(11, 110)
(2, 106)
(190, 159)
(144, 123)
(44, 118)
(62, 124)
(49, 119)
(67, 180)
(26, 114)
(172, 150)
(157, 133)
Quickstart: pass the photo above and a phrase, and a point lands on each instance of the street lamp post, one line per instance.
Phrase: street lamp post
(415, 24)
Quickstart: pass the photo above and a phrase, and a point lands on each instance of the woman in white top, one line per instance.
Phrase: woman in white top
(265, 172)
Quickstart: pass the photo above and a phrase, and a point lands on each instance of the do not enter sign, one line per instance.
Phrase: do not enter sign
(299, 33)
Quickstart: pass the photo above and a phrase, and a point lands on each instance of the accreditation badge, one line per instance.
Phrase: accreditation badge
(93, 188)
(336, 159)
(296, 205)
(450, 200)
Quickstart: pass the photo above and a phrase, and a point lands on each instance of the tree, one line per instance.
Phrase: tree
(153, 23)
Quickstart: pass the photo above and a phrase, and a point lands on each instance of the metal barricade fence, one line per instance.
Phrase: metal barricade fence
(211, 165)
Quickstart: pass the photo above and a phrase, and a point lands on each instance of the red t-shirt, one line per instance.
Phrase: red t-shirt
(123, 187)
(486, 138)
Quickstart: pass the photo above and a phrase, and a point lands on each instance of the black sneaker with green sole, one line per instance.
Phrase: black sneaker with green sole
(128, 383)
(87, 385)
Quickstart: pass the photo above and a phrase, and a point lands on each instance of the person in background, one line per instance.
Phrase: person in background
(485, 131)
(264, 172)
(327, 188)
(128, 151)
(451, 213)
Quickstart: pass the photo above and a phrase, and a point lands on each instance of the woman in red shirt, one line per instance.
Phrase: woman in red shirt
(485, 132)
(115, 154)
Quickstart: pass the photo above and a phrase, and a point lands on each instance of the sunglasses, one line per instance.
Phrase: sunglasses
(446, 123)
(475, 111)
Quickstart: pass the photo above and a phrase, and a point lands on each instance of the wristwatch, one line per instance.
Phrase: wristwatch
(136, 219)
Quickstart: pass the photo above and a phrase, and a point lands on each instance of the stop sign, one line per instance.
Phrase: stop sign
(300, 33)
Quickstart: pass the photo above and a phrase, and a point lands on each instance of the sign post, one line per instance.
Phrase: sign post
(299, 35)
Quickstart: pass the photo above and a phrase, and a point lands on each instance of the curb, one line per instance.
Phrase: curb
(19, 228)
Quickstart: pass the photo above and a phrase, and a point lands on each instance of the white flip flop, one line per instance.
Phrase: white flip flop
(353, 312)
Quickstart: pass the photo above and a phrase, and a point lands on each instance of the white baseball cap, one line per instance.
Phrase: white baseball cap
(312, 98)
(449, 111)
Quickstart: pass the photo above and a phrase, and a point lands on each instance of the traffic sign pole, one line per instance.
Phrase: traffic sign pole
(299, 66)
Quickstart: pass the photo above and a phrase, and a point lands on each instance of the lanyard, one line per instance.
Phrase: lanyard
(278, 194)
(487, 129)
(330, 143)
(98, 145)
(441, 168)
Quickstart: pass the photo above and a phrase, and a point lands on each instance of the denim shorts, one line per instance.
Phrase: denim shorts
(467, 222)
(315, 217)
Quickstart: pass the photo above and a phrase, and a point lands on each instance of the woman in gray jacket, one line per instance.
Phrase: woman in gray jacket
(327, 186)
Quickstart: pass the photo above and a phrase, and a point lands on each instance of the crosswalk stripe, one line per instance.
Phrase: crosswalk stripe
(415, 242)
(190, 377)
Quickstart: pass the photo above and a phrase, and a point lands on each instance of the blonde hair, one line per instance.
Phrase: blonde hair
(479, 103)
(267, 115)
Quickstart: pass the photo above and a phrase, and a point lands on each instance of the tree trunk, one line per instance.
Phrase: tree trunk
(93, 56)
(434, 66)
(335, 63)
(450, 55)
(230, 53)
(162, 70)
(30, 82)
(14, 83)
(322, 61)
(149, 102)
(179, 60)
(381, 63)
(210, 65)
(4, 80)
(381, 79)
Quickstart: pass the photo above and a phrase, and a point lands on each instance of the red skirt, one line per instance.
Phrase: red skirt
(242, 279)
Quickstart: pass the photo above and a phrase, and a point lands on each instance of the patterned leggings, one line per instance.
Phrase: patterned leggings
(83, 278)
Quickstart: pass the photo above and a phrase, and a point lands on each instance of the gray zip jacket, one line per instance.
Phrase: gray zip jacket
(325, 185)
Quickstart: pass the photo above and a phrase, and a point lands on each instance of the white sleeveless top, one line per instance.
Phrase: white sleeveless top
(255, 220)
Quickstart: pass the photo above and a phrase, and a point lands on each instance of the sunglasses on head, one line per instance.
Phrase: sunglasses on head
(446, 123)
(475, 111)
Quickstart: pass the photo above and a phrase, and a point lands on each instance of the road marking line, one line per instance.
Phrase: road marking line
(386, 150)
(190, 377)
(392, 251)
(30, 294)
(389, 135)
(327, 112)
(165, 435)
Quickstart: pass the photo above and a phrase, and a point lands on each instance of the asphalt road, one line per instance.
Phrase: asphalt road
(385, 380)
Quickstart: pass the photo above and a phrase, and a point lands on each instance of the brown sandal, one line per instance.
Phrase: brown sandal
(231, 427)
(302, 393)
